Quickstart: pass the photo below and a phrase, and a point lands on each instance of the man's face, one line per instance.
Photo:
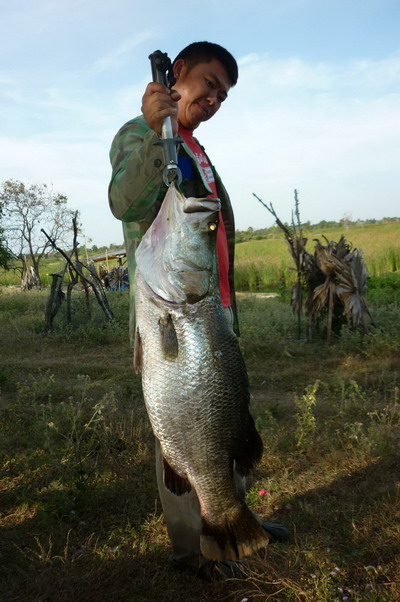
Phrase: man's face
(203, 88)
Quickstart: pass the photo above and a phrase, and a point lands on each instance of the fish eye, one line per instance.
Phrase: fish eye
(212, 226)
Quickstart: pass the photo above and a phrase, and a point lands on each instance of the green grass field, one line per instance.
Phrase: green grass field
(263, 265)
(80, 518)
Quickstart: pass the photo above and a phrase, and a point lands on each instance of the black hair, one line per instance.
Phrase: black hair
(205, 52)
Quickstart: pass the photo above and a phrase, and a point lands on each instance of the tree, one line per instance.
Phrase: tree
(5, 254)
(26, 210)
(342, 293)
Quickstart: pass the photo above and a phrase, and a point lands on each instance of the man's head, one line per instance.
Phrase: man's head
(203, 74)
(205, 52)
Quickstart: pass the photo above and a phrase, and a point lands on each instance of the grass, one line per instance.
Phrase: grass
(48, 266)
(263, 265)
(79, 513)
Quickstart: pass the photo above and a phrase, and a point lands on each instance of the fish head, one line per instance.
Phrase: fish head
(190, 248)
(177, 255)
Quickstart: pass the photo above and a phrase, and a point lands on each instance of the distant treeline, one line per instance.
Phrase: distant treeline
(253, 234)
(93, 250)
(276, 232)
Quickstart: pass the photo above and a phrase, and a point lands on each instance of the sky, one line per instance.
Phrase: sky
(316, 107)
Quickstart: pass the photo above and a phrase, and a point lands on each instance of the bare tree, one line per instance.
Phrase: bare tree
(76, 272)
(297, 248)
(26, 210)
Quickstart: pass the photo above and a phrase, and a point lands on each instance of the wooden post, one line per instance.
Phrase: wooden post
(54, 301)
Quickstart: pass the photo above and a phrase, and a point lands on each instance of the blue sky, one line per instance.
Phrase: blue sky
(316, 106)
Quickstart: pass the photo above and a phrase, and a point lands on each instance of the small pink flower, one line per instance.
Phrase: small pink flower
(263, 492)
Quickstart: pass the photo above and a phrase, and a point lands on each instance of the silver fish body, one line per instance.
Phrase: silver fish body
(194, 379)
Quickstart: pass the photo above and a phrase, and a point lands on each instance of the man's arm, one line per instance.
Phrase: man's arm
(137, 171)
(137, 163)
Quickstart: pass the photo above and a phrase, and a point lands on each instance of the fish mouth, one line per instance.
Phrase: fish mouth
(187, 286)
(182, 265)
(194, 285)
(192, 298)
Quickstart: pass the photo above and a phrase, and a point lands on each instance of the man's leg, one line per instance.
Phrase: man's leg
(182, 515)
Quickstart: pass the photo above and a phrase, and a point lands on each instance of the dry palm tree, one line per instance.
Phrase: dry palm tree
(335, 278)
(344, 286)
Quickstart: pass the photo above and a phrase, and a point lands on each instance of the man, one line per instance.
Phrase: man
(203, 74)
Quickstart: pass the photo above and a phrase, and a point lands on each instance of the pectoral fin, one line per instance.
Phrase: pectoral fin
(169, 340)
(174, 482)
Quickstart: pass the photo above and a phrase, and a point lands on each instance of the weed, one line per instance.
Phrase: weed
(306, 421)
(266, 421)
(79, 514)
(352, 397)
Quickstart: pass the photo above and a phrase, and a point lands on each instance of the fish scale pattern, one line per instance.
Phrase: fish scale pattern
(197, 402)
(194, 379)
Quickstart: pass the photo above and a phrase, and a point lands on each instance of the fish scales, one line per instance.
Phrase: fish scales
(195, 385)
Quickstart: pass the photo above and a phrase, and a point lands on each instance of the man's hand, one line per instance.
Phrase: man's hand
(159, 102)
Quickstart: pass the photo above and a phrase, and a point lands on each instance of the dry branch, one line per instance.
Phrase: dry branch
(297, 248)
(76, 271)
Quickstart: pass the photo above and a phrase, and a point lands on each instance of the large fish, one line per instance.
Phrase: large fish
(194, 379)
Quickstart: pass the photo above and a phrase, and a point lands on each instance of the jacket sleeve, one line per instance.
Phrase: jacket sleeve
(137, 167)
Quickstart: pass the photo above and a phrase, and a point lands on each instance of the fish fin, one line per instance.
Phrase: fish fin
(238, 537)
(137, 353)
(174, 482)
(169, 340)
(251, 450)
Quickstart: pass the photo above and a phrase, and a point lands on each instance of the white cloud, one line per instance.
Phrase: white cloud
(119, 55)
(378, 74)
(79, 169)
(265, 72)
(330, 130)
(321, 128)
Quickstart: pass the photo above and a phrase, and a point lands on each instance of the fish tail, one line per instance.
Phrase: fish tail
(236, 538)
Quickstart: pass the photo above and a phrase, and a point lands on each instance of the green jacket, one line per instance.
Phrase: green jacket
(137, 190)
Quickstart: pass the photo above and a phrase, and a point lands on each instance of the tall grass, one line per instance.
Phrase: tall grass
(263, 265)
(48, 266)
(266, 265)
(12, 277)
